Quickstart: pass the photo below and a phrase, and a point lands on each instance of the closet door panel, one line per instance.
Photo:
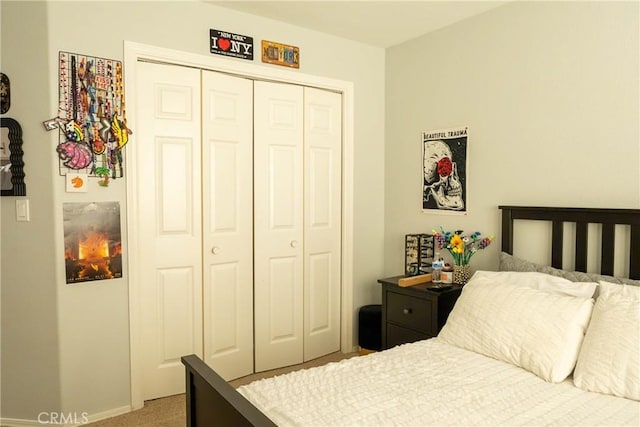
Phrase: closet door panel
(322, 219)
(169, 223)
(227, 134)
(278, 222)
(283, 294)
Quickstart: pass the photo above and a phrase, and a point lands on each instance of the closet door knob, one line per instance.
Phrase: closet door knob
(215, 250)
(294, 243)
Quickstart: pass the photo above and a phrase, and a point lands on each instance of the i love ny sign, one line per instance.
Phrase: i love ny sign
(229, 44)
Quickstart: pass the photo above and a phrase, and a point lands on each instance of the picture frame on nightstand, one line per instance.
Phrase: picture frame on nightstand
(418, 253)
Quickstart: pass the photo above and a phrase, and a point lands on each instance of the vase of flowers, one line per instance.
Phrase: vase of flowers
(462, 248)
(461, 274)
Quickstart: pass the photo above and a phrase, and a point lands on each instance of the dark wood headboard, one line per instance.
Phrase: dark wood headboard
(582, 217)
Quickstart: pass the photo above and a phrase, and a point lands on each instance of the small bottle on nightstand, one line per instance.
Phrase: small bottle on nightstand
(436, 265)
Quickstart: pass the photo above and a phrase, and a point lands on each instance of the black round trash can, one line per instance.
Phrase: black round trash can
(370, 327)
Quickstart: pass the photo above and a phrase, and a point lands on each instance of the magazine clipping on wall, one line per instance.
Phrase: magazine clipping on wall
(444, 170)
(92, 241)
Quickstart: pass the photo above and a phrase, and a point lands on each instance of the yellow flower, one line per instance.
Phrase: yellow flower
(456, 240)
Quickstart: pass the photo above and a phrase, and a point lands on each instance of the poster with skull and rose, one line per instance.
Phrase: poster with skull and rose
(444, 170)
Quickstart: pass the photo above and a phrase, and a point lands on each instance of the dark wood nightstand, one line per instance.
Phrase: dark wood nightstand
(413, 313)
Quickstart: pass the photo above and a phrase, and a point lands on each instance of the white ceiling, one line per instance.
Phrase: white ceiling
(377, 23)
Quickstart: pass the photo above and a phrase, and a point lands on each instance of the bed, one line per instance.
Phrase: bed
(526, 345)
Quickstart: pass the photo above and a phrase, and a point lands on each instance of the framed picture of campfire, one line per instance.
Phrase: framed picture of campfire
(92, 241)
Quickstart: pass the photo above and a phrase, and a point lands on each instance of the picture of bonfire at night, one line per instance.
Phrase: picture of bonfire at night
(93, 247)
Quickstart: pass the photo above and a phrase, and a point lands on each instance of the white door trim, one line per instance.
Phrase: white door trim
(134, 52)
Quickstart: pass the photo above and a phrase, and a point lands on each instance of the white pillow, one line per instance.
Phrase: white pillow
(627, 291)
(543, 282)
(609, 360)
(533, 329)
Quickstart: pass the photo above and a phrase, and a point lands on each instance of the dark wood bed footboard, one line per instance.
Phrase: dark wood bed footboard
(211, 401)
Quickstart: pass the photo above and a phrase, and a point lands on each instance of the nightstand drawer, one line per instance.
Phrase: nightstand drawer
(415, 312)
(397, 335)
(412, 312)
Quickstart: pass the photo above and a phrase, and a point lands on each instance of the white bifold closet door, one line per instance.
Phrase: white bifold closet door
(195, 219)
(297, 203)
(322, 221)
(169, 221)
(239, 223)
(227, 227)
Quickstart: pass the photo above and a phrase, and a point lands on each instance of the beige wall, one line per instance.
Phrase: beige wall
(550, 93)
(29, 342)
(75, 338)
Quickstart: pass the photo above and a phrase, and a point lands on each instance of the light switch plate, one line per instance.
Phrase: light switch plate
(22, 210)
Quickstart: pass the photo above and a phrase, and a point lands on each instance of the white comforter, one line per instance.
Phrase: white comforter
(430, 383)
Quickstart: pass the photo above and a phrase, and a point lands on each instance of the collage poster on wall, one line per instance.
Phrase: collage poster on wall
(444, 170)
(92, 241)
(91, 116)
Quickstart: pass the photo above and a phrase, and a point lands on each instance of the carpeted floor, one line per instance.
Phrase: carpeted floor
(165, 412)
(170, 411)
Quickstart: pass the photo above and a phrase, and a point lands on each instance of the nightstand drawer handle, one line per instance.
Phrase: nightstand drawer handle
(407, 311)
